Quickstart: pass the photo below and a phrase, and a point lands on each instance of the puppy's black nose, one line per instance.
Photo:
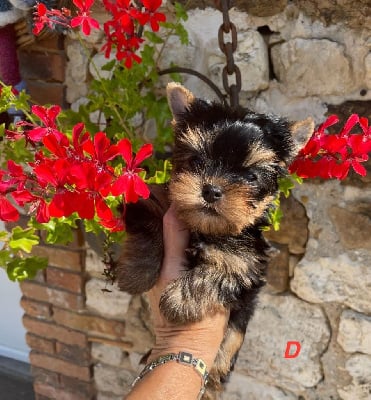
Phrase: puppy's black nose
(211, 193)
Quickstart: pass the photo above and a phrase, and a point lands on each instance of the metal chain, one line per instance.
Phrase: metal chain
(228, 48)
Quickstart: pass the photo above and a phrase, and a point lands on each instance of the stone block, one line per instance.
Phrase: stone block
(368, 71)
(115, 380)
(242, 387)
(278, 320)
(355, 332)
(340, 279)
(353, 227)
(312, 67)
(112, 304)
(358, 367)
(106, 354)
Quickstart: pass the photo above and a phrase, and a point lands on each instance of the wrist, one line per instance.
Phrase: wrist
(202, 339)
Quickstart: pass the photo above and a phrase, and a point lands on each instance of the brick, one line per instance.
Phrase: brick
(76, 354)
(45, 376)
(46, 66)
(89, 323)
(61, 257)
(35, 308)
(86, 389)
(34, 291)
(60, 298)
(47, 93)
(49, 41)
(51, 331)
(51, 392)
(62, 279)
(60, 366)
(40, 344)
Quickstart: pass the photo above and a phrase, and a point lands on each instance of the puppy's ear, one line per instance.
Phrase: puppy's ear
(302, 131)
(179, 99)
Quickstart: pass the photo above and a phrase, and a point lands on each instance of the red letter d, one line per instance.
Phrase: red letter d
(297, 350)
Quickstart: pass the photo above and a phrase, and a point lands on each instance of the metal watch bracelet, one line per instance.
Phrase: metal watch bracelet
(183, 358)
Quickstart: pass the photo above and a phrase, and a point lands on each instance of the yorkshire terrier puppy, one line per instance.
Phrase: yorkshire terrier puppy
(224, 179)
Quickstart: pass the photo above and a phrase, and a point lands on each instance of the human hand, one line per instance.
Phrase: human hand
(203, 338)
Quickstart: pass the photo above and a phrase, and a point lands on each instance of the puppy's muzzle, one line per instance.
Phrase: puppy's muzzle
(211, 193)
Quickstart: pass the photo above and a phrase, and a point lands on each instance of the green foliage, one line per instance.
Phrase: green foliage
(25, 268)
(161, 176)
(23, 239)
(58, 230)
(285, 185)
(12, 258)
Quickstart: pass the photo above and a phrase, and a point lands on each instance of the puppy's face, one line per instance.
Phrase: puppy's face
(225, 165)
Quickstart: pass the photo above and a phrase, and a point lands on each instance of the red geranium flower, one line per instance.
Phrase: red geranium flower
(84, 18)
(130, 183)
(150, 15)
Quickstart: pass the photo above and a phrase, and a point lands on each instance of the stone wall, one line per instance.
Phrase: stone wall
(297, 59)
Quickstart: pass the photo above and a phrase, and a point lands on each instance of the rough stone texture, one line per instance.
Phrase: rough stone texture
(337, 279)
(76, 77)
(106, 354)
(262, 354)
(354, 226)
(293, 227)
(113, 380)
(338, 11)
(358, 367)
(368, 71)
(355, 332)
(299, 68)
(112, 303)
(242, 387)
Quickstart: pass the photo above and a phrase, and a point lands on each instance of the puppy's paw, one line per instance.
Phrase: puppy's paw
(178, 306)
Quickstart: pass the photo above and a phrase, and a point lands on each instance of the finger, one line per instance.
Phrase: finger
(176, 239)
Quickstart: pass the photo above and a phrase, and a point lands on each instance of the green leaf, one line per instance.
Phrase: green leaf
(20, 269)
(286, 185)
(109, 66)
(5, 257)
(23, 239)
(152, 37)
(182, 33)
(4, 236)
(180, 12)
(161, 176)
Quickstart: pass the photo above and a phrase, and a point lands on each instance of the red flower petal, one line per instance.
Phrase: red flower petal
(144, 152)
(359, 168)
(125, 149)
(352, 120)
(42, 214)
(8, 212)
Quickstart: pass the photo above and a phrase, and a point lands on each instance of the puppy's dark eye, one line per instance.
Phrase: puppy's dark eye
(195, 162)
(250, 176)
